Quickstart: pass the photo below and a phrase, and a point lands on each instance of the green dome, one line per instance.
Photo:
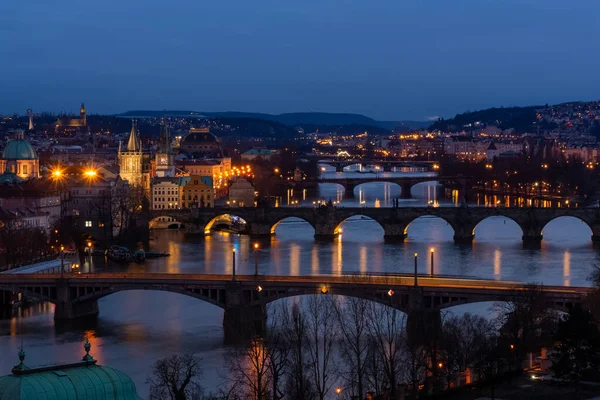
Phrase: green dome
(19, 149)
(78, 382)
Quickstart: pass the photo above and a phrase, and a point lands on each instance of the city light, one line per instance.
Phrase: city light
(390, 292)
(259, 289)
(324, 289)
(255, 246)
(90, 173)
(57, 173)
(338, 390)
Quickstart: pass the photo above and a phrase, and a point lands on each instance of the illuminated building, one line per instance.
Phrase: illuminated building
(66, 122)
(133, 164)
(198, 192)
(19, 158)
(165, 193)
(241, 193)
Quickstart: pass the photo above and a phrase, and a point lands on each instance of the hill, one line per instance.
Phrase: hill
(522, 119)
(290, 119)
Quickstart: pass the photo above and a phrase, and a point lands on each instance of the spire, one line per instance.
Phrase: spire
(134, 144)
(164, 144)
(21, 367)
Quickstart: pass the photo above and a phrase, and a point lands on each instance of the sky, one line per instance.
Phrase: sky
(387, 59)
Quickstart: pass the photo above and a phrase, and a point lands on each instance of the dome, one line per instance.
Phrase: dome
(19, 149)
(80, 382)
(201, 142)
(200, 137)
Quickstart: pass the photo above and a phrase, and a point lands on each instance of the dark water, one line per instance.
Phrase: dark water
(136, 328)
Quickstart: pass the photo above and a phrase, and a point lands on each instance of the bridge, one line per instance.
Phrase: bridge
(385, 165)
(244, 298)
(405, 182)
(327, 220)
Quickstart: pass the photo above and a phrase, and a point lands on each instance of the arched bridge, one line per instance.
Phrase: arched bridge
(405, 182)
(386, 166)
(244, 298)
(327, 220)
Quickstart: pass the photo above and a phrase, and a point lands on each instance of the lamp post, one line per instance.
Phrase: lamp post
(62, 261)
(233, 254)
(416, 255)
(255, 259)
(431, 251)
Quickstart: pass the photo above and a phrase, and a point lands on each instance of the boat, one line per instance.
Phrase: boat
(118, 253)
(156, 254)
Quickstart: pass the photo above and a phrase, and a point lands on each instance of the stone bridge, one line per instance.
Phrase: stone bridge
(386, 166)
(327, 220)
(244, 298)
(405, 182)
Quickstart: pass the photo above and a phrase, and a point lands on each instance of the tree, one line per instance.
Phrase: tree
(577, 354)
(355, 345)
(322, 336)
(176, 378)
(526, 322)
(386, 328)
(297, 385)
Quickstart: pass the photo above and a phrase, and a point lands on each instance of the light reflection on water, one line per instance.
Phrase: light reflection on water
(135, 328)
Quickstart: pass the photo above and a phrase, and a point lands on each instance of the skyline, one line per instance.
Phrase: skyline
(387, 61)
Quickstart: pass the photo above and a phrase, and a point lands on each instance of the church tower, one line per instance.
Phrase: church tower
(82, 117)
(164, 154)
(130, 160)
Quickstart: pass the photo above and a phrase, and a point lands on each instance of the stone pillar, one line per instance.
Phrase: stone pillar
(532, 236)
(387, 167)
(463, 234)
(339, 168)
(259, 229)
(242, 321)
(394, 232)
(65, 308)
(349, 191)
(5, 298)
(406, 190)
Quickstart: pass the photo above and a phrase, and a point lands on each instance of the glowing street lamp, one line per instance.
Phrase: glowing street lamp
(416, 255)
(233, 257)
(338, 390)
(256, 247)
(431, 251)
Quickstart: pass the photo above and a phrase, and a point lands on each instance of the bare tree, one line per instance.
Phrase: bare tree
(386, 328)
(355, 345)
(249, 368)
(297, 386)
(322, 335)
(526, 321)
(176, 378)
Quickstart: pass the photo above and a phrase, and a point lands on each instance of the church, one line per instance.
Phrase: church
(134, 165)
(19, 158)
(66, 122)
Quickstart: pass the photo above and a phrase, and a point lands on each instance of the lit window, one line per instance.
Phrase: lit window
(88, 224)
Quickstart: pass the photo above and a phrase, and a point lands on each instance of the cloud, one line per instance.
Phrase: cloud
(433, 118)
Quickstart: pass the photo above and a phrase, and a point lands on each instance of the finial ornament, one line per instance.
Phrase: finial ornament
(21, 367)
(87, 347)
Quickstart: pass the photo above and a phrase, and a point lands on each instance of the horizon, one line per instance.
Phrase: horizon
(390, 61)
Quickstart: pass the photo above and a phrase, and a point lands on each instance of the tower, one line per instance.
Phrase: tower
(164, 155)
(130, 160)
(30, 115)
(82, 117)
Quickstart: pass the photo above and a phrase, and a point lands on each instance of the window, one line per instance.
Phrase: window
(88, 224)
(25, 169)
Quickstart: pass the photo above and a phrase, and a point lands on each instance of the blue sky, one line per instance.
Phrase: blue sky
(388, 59)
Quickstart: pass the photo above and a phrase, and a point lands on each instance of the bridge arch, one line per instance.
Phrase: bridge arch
(225, 219)
(592, 229)
(291, 218)
(357, 217)
(165, 222)
(433, 216)
(511, 225)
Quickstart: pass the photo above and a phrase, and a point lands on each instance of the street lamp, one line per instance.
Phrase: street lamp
(338, 390)
(233, 254)
(255, 259)
(62, 261)
(416, 255)
(431, 251)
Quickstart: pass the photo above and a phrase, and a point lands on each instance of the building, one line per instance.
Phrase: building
(165, 193)
(209, 167)
(200, 143)
(134, 165)
(164, 155)
(198, 192)
(253, 154)
(241, 193)
(19, 158)
(83, 379)
(67, 122)
(32, 203)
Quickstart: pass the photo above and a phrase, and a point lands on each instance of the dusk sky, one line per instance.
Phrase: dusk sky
(387, 59)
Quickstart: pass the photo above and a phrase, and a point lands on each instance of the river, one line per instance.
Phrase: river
(135, 328)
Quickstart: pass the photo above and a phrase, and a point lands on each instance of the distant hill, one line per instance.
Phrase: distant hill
(290, 119)
(519, 118)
